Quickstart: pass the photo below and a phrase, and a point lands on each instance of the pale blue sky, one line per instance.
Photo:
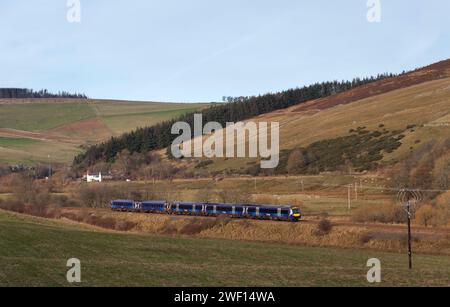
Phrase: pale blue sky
(199, 50)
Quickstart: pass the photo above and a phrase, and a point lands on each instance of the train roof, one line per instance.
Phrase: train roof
(154, 202)
(264, 206)
(249, 205)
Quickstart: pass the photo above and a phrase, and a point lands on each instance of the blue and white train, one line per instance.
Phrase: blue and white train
(263, 212)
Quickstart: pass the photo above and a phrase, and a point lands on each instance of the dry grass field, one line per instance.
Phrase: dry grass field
(343, 234)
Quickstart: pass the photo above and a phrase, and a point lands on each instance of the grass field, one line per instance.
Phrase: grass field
(42, 116)
(120, 123)
(34, 252)
(17, 142)
(30, 130)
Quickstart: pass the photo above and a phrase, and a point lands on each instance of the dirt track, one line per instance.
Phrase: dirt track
(13, 133)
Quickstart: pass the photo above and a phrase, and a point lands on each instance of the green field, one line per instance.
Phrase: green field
(121, 123)
(17, 142)
(34, 252)
(42, 116)
(30, 130)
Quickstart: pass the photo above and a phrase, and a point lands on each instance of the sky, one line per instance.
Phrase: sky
(200, 50)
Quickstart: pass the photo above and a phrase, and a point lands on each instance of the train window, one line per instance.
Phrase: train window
(251, 210)
(268, 211)
(223, 208)
(154, 204)
(125, 204)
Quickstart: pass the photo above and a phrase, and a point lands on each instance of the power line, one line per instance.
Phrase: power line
(384, 188)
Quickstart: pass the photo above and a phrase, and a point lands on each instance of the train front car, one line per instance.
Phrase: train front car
(122, 205)
(295, 214)
(271, 212)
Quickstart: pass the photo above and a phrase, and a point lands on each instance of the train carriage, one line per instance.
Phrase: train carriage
(123, 205)
(187, 208)
(264, 212)
(154, 206)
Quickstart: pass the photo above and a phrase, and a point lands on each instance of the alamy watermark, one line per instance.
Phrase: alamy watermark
(374, 11)
(73, 11)
(374, 273)
(74, 273)
(215, 141)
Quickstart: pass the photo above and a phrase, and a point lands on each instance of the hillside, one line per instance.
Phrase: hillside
(420, 100)
(238, 109)
(33, 129)
(387, 108)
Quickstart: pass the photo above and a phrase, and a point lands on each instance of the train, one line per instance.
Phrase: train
(249, 211)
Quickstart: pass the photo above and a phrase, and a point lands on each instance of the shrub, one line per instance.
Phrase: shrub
(204, 163)
(13, 205)
(124, 225)
(99, 196)
(366, 237)
(253, 170)
(441, 172)
(443, 199)
(362, 150)
(389, 213)
(433, 215)
(324, 227)
(426, 215)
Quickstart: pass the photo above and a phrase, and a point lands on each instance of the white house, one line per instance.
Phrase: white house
(94, 177)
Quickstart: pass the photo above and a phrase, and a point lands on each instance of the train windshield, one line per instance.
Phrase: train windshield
(295, 210)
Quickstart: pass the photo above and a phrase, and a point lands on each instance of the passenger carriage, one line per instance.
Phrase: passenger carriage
(123, 205)
(154, 206)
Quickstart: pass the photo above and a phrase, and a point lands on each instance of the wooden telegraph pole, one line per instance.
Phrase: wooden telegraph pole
(408, 211)
(407, 198)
